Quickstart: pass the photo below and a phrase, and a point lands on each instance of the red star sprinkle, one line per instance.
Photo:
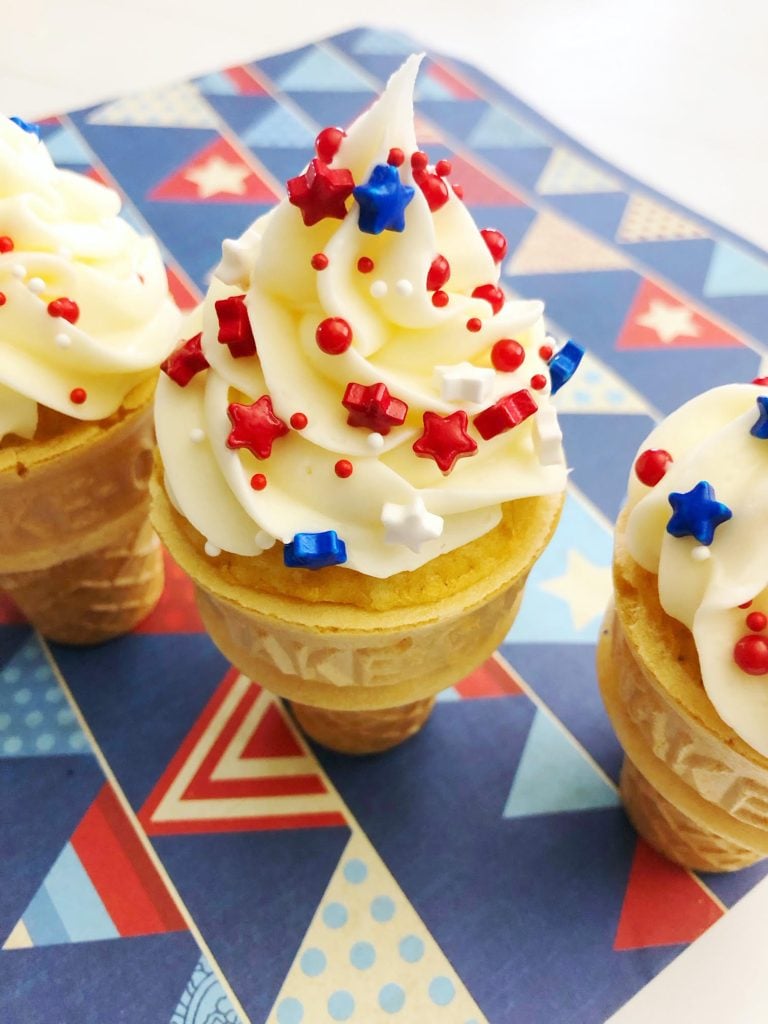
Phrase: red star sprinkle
(445, 439)
(439, 272)
(235, 327)
(321, 192)
(496, 242)
(373, 407)
(327, 143)
(492, 294)
(505, 414)
(65, 308)
(762, 381)
(255, 427)
(185, 361)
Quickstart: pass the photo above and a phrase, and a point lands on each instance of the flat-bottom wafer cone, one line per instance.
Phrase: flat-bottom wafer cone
(376, 669)
(688, 792)
(77, 551)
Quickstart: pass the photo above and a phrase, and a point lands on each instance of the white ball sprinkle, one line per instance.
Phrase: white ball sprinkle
(62, 341)
(18, 271)
(196, 435)
(375, 441)
(36, 285)
(700, 553)
(404, 287)
(211, 550)
(379, 289)
(265, 540)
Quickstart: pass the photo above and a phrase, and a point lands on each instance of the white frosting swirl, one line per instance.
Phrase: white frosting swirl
(399, 338)
(709, 439)
(68, 242)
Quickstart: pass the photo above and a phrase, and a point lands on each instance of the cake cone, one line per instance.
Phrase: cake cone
(362, 679)
(77, 552)
(691, 787)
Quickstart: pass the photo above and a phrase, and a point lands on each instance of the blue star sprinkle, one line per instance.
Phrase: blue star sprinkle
(564, 364)
(760, 429)
(33, 129)
(383, 200)
(697, 513)
(315, 550)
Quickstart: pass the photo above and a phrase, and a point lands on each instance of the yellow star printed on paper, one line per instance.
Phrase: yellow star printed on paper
(584, 586)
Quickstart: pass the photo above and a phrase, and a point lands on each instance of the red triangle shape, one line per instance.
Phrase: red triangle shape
(216, 174)
(96, 175)
(456, 86)
(479, 189)
(658, 319)
(492, 679)
(664, 905)
(245, 81)
(272, 738)
(9, 613)
(185, 294)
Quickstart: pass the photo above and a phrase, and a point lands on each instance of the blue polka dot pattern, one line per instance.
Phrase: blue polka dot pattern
(290, 1011)
(441, 991)
(341, 1005)
(382, 909)
(391, 998)
(355, 871)
(411, 949)
(335, 915)
(362, 956)
(313, 962)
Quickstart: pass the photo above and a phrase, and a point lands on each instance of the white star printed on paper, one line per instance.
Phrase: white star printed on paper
(233, 268)
(464, 382)
(584, 586)
(411, 525)
(217, 175)
(547, 436)
(669, 322)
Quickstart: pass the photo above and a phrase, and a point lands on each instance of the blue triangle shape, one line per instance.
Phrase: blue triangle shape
(428, 88)
(204, 999)
(66, 148)
(319, 71)
(735, 272)
(553, 776)
(35, 719)
(217, 84)
(498, 129)
(279, 127)
(383, 44)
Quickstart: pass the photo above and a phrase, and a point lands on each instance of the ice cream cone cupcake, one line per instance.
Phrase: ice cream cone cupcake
(85, 320)
(683, 654)
(359, 461)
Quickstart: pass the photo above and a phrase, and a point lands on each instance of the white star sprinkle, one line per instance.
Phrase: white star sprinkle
(233, 266)
(669, 322)
(410, 525)
(464, 382)
(547, 436)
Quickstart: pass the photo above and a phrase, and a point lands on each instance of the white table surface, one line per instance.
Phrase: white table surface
(673, 91)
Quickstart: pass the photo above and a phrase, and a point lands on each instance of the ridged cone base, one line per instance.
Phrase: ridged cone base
(363, 732)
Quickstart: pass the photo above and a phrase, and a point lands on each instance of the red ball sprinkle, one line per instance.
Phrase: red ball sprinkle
(440, 299)
(492, 294)
(507, 355)
(343, 468)
(299, 421)
(2, 299)
(438, 274)
(419, 160)
(458, 191)
(474, 324)
(756, 621)
(745, 605)
(319, 261)
(651, 465)
(762, 381)
(6, 244)
(538, 381)
(258, 481)
(433, 187)
(65, 308)
(365, 264)
(327, 143)
(751, 655)
(496, 242)
(546, 352)
(78, 395)
(396, 157)
(333, 336)
(443, 168)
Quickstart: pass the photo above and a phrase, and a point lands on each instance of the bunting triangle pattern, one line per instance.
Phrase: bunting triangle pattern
(553, 245)
(597, 389)
(178, 106)
(496, 128)
(383, 44)
(103, 885)
(452, 85)
(185, 293)
(568, 174)
(492, 679)
(320, 71)
(281, 128)
(554, 776)
(203, 1000)
(659, 320)
(655, 882)
(367, 956)
(647, 220)
(66, 147)
(733, 271)
(215, 174)
(479, 188)
(241, 768)
(35, 718)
